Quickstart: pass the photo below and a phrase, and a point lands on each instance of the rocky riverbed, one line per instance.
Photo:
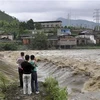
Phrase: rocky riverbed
(77, 70)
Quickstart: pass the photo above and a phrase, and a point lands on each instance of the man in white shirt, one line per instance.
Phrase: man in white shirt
(20, 69)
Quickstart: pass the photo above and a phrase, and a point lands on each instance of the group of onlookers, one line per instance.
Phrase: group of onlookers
(28, 73)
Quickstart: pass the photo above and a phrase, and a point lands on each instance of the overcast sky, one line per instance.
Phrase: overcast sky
(41, 10)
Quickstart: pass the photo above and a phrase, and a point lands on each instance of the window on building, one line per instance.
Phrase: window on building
(83, 41)
(47, 25)
(56, 25)
(43, 25)
(52, 25)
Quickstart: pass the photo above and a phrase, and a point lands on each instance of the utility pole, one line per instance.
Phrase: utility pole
(97, 18)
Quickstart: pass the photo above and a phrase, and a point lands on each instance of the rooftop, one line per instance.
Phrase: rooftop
(49, 21)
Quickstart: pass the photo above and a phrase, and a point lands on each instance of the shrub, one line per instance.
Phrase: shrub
(3, 82)
(39, 42)
(8, 46)
(53, 92)
(3, 85)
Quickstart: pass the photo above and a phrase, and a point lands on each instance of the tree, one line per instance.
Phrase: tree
(39, 41)
(23, 25)
(38, 26)
(30, 24)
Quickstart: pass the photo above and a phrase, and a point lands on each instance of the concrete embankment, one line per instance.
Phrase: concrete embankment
(66, 77)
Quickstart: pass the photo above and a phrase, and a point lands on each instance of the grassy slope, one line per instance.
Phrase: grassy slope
(7, 69)
(4, 16)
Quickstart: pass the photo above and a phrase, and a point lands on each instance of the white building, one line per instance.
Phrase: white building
(50, 24)
(6, 36)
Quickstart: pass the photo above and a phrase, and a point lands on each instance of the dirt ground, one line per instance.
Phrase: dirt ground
(15, 93)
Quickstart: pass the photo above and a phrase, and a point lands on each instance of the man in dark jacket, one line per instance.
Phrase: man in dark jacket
(27, 67)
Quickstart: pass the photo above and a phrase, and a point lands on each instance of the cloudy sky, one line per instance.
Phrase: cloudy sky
(40, 10)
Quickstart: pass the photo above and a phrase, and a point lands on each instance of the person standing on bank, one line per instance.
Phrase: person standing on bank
(27, 70)
(20, 70)
(34, 75)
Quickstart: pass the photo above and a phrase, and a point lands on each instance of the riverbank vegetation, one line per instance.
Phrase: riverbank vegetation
(49, 90)
(39, 44)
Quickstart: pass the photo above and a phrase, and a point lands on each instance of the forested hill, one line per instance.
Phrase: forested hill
(6, 17)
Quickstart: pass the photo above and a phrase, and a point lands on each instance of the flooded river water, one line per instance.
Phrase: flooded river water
(73, 83)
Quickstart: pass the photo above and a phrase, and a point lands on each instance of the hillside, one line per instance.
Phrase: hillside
(6, 17)
(78, 23)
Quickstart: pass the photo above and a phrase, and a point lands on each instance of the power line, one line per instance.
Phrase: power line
(97, 17)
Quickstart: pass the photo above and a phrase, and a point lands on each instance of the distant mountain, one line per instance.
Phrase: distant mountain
(79, 23)
(6, 17)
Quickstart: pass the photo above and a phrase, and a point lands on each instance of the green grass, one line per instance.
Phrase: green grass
(87, 47)
(4, 81)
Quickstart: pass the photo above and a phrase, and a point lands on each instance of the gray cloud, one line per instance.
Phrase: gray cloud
(49, 9)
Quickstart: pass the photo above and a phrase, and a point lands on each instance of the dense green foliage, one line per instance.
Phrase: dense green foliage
(87, 47)
(15, 27)
(9, 24)
(53, 91)
(3, 81)
(8, 46)
(30, 24)
(10, 27)
(39, 41)
(38, 26)
(3, 85)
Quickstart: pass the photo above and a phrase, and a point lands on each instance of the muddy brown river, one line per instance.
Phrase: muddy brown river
(73, 83)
